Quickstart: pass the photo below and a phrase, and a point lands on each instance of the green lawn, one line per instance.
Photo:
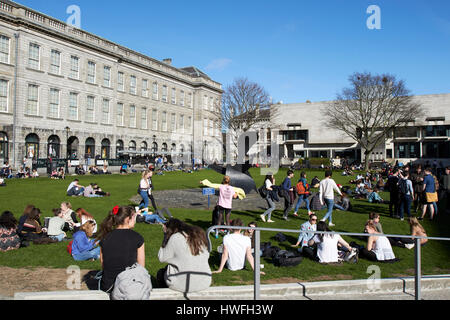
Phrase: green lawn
(47, 194)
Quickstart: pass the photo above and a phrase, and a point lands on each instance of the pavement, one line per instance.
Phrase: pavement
(432, 288)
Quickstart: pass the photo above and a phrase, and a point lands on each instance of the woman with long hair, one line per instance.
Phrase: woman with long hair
(417, 230)
(84, 217)
(185, 249)
(121, 247)
(226, 196)
(269, 181)
(378, 246)
(144, 189)
(9, 239)
(83, 247)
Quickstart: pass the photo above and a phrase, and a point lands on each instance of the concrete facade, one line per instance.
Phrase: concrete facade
(54, 76)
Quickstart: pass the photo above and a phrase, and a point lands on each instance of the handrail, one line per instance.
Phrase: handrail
(257, 267)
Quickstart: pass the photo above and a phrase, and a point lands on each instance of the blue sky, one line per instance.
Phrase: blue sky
(298, 50)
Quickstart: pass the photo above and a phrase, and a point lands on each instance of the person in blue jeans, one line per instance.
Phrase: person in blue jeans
(144, 187)
(84, 248)
(151, 217)
(327, 187)
(303, 194)
(406, 195)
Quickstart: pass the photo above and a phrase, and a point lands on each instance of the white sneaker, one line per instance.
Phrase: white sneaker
(263, 218)
(270, 220)
(323, 220)
(409, 245)
(331, 224)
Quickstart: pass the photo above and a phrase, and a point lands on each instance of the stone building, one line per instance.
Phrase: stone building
(66, 93)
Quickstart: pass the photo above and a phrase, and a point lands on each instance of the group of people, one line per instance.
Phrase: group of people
(90, 191)
(23, 172)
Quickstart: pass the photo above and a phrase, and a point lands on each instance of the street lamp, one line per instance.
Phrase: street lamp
(153, 146)
(204, 151)
(67, 147)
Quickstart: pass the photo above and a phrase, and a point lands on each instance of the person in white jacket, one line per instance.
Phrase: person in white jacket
(326, 194)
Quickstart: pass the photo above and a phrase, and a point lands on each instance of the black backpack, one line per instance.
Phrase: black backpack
(402, 187)
(285, 258)
(262, 191)
(269, 251)
(280, 237)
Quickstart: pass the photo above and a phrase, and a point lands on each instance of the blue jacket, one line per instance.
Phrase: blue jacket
(81, 243)
(286, 185)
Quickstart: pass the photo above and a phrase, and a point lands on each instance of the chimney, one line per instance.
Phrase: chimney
(168, 61)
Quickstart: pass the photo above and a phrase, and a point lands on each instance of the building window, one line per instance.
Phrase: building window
(189, 122)
(119, 148)
(132, 145)
(53, 109)
(145, 88)
(53, 146)
(205, 102)
(90, 109)
(295, 135)
(119, 114)
(211, 128)
(107, 76)
(205, 127)
(181, 123)
(190, 100)
(4, 49)
(133, 85)
(91, 72)
(436, 149)
(32, 146)
(173, 122)
(55, 62)
(174, 96)
(74, 67)
(120, 81)
(182, 98)
(154, 120)
(106, 146)
(155, 91)
(144, 118)
(4, 84)
(105, 111)
(211, 104)
(33, 100)
(89, 148)
(144, 146)
(164, 148)
(164, 121)
(73, 106)
(4, 146)
(164, 94)
(407, 150)
(437, 131)
(132, 116)
(33, 56)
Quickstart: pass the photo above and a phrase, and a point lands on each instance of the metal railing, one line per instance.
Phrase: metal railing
(257, 266)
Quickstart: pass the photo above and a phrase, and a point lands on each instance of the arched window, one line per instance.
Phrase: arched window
(144, 146)
(132, 145)
(32, 146)
(154, 148)
(181, 150)
(72, 148)
(3, 146)
(106, 147)
(53, 147)
(164, 147)
(89, 148)
(119, 147)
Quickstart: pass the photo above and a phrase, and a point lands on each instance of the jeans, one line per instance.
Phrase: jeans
(153, 218)
(339, 207)
(59, 237)
(301, 198)
(87, 255)
(330, 205)
(145, 199)
(271, 205)
(405, 201)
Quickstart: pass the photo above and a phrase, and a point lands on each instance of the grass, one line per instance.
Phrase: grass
(47, 194)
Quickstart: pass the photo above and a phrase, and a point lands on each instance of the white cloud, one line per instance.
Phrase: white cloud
(219, 64)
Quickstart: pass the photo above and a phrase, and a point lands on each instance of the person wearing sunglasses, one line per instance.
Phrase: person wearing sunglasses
(304, 237)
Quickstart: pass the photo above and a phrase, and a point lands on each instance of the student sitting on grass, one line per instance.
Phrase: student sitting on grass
(74, 189)
(56, 226)
(378, 246)
(84, 248)
(150, 217)
(9, 239)
(374, 197)
(30, 227)
(70, 217)
(236, 248)
(83, 216)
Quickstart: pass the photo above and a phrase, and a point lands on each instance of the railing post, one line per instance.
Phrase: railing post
(417, 256)
(257, 265)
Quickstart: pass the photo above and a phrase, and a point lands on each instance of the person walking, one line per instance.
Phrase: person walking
(393, 193)
(429, 186)
(226, 196)
(406, 194)
(326, 194)
(268, 183)
(286, 188)
(303, 193)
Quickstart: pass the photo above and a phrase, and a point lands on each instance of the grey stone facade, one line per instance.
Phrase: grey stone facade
(72, 92)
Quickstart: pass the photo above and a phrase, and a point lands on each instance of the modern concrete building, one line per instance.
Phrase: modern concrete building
(65, 92)
(302, 134)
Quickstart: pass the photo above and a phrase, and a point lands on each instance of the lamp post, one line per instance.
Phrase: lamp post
(153, 146)
(204, 151)
(67, 151)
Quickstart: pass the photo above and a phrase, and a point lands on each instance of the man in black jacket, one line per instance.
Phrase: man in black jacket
(394, 200)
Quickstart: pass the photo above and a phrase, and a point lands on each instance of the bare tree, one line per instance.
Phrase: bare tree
(245, 106)
(371, 108)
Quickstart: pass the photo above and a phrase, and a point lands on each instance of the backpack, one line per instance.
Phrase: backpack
(402, 187)
(301, 189)
(262, 191)
(280, 237)
(285, 258)
(269, 252)
(132, 284)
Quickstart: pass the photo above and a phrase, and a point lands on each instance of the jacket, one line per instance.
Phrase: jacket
(132, 284)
